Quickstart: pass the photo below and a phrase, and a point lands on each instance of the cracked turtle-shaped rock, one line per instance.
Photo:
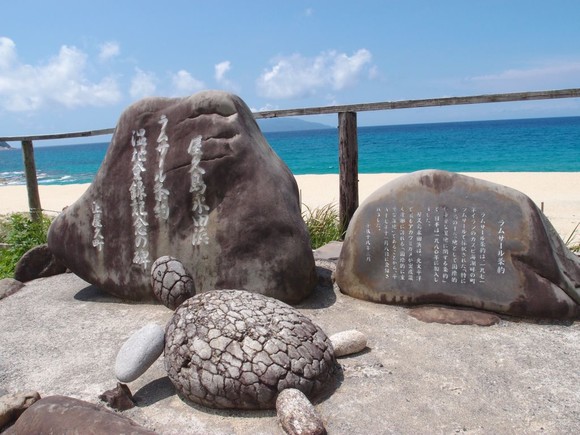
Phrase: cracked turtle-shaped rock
(235, 349)
(171, 283)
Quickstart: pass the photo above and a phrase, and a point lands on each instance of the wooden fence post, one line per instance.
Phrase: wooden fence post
(31, 181)
(348, 167)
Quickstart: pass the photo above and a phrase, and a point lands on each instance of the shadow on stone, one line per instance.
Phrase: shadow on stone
(153, 392)
(332, 387)
(355, 355)
(230, 413)
(92, 293)
(323, 296)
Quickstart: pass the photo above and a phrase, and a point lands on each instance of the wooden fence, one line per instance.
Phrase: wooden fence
(347, 141)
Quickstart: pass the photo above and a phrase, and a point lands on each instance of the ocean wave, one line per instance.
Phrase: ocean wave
(19, 178)
(12, 178)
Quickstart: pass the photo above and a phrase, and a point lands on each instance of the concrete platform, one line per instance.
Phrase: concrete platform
(60, 335)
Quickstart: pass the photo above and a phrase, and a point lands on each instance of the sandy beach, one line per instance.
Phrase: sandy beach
(558, 191)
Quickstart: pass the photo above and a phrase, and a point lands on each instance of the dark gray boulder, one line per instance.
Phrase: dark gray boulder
(195, 179)
(38, 262)
(434, 237)
(60, 414)
(119, 398)
(235, 349)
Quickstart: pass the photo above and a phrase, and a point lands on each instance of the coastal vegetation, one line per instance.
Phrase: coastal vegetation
(570, 243)
(323, 225)
(18, 234)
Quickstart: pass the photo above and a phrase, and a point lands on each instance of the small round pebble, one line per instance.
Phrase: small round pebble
(348, 342)
(140, 350)
(236, 349)
(171, 283)
(296, 414)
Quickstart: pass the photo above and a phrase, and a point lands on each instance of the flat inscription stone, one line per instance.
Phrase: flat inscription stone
(439, 237)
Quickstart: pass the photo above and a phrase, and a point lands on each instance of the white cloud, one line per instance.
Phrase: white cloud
(109, 50)
(142, 84)
(552, 76)
(298, 76)
(61, 80)
(346, 69)
(265, 108)
(7, 52)
(220, 76)
(221, 69)
(185, 83)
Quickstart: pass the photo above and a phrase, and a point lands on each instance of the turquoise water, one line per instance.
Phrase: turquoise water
(536, 145)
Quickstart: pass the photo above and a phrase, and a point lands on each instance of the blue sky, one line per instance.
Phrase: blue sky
(75, 65)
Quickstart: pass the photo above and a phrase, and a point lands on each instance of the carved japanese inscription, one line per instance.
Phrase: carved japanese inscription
(192, 178)
(161, 193)
(138, 195)
(440, 244)
(197, 188)
(98, 238)
(442, 238)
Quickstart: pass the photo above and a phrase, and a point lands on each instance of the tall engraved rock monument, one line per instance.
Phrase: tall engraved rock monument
(195, 179)
(434, 237)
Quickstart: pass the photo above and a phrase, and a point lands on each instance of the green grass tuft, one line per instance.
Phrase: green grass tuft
(21, 234)
(574, 247)
(323, 225)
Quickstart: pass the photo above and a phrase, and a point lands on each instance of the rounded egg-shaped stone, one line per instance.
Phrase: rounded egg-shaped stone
(171, 283)
(140, 350)
(236, 349)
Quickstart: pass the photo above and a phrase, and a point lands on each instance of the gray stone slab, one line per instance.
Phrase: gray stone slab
(519, 376)
(435, 237)
(330, 251)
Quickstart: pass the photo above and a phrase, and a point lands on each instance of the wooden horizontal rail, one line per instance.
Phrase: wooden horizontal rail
(59, 135)
(431, 102)
(363, 107)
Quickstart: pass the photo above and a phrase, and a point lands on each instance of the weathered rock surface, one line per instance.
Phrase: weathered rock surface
(140, 350)
(348, 342)
(325, 259)
(452, 316)
(296, 414)
(330, 251)
(171, 283)
(13, 405)
(235, 349)
(60, 414)
(38, 262)
(9, 286)
(434, 237)
(119, 398)
(195, 179)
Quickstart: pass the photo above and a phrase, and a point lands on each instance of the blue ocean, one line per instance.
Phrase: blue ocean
(534, 145)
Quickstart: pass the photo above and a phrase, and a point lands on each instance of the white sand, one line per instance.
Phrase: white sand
(559, 191)
(52, 198)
